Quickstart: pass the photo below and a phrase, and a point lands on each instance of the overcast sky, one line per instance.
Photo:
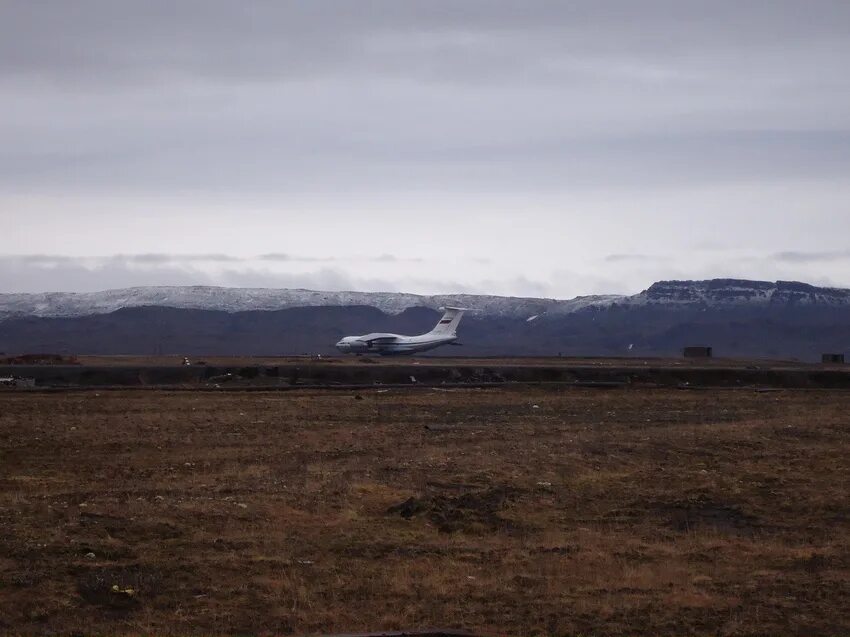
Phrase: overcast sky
(528, 148)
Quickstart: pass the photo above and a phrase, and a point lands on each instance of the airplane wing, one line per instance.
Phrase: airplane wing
(379, 339)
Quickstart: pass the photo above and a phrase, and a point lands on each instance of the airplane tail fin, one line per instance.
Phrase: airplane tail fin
(447, 326)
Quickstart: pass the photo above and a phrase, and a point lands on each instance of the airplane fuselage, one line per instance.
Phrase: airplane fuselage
(399, 346)
(385, 344)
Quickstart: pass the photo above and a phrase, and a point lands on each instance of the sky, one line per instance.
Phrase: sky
(527, 148)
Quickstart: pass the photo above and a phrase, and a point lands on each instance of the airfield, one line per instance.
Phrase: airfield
(353, 372)
(524, 496)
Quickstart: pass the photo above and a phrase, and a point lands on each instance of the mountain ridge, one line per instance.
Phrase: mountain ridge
(706, 293)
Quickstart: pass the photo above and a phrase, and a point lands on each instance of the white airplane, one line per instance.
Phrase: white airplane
(444, 333)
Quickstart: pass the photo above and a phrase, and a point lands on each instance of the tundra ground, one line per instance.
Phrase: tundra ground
(518, 511)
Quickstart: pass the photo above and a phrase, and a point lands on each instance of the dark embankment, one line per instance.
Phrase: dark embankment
(451, 372)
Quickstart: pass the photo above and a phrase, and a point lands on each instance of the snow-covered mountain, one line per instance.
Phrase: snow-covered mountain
(736, 292)
(712, 293)
(66, 304)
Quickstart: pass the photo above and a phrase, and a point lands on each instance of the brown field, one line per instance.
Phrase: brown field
(517, 511)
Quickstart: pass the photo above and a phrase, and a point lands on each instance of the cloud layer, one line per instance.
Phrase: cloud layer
(395, 142)
(62, 273)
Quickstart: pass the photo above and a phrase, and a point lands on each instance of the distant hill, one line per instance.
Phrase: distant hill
(738, 318)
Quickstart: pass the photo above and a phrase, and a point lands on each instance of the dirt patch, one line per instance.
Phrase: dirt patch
(117, 588)
(689, 515)
(136, 530)
(705, 514)
(469, 512)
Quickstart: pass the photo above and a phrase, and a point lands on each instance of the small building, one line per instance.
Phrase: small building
(832, 358)
(698, 352)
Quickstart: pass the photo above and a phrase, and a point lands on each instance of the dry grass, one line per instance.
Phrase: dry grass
(634, 512)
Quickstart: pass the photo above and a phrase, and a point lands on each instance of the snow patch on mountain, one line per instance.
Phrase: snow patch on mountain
(713, 293)
(61, 304)
(736, 292)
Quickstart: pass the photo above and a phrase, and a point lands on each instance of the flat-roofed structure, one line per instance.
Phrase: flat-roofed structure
(698, 352)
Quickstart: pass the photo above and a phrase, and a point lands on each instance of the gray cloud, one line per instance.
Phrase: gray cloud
(640, 258)
(630, 274)
(154, 259)
(812, 257)
(382, 258)
(102, 40)
(44, 273)
(532, 137)
(285, 258)
(75, 275)
(219, 96)
(165, 258)
(41, 259)
(141, 259)
(391, 258)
